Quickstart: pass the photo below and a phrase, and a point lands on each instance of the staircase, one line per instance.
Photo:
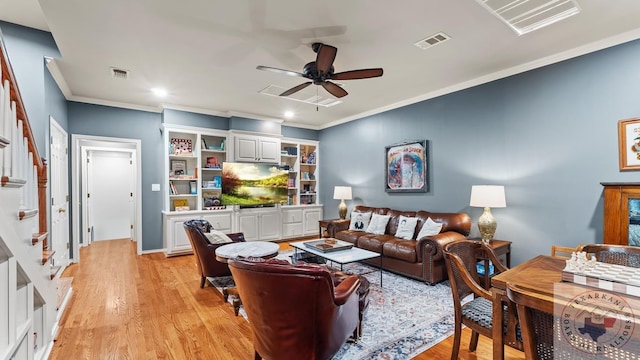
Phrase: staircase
(28, 296)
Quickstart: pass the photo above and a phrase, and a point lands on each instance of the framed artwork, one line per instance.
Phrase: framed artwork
(178, 167)
(406, 167)
(629, 144)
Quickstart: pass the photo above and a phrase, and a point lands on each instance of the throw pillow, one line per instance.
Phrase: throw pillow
(359, 221)
(378, 224)
(406, 227)
(429, 228)
(217, 237)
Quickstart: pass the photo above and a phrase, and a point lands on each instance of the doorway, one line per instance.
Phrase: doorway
(59, 169)
(109, 194)
(95, 184)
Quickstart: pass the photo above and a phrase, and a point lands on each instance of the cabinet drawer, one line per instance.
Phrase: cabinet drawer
(292, 216)
(291, 230)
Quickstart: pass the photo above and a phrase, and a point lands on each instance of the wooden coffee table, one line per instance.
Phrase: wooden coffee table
(339, 256)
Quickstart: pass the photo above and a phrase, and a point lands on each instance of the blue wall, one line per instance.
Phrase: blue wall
(86, 119)
(548, 135)
(26, 49)
(177, 117)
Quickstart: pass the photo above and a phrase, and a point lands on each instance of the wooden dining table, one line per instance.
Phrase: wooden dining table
(540, 274)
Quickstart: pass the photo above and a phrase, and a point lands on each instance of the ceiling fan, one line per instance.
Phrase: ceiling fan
(321, 71)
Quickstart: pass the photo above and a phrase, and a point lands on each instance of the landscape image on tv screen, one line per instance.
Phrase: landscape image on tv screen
(253, 184)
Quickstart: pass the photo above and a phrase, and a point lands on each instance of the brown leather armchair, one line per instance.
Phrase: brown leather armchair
(295, 310)
(205, 252)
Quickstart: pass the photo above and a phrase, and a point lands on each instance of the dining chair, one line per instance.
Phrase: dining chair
(461, 258)
(614, 254)
(562, 251)
(535, 312)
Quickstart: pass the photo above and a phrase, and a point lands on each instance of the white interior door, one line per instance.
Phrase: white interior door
(59, 167)
(111, 180)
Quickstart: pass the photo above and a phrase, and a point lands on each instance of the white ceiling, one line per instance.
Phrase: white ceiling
(205, 52)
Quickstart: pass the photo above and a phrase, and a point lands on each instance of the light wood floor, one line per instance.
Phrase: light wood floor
(151, 307)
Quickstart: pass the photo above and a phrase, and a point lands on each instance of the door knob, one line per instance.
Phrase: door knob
(61, 210)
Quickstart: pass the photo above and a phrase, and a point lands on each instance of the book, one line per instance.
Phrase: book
(212, 162)
(203, 143)
(193, 188)
(181, 204)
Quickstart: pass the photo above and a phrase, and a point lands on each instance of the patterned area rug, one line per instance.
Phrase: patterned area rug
(404, 318)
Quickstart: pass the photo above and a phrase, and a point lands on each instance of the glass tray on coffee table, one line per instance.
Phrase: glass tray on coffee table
(347, 255)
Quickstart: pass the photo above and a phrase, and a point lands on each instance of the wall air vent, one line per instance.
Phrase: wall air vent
(307, 95)
(524, 16)
(432, 41)
(119, 73)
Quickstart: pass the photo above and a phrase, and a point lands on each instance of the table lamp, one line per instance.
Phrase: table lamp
(342, 193)
(487, 196)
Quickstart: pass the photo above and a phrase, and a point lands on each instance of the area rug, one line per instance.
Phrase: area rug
(404, 318)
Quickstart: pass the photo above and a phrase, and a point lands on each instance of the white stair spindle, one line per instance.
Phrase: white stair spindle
(8, 133)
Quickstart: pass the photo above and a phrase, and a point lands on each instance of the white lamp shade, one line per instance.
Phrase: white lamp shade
(491, 196)
(342, 193)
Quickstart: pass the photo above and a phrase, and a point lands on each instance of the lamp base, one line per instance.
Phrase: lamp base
(487, 225)
(342, 210)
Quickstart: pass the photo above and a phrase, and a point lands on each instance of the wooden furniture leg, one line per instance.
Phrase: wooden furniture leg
(236, 302)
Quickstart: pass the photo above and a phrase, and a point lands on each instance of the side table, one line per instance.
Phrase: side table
(322, 226)
(502, 248)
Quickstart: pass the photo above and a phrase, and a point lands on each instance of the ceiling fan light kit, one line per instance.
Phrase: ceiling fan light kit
(321, 71)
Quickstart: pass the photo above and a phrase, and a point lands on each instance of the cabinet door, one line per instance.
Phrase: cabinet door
(292, 216)
(311, 218)
(220, 222)
(246, 149)
(270, 225)
(269, 150)
(248, 224)
(180, 239)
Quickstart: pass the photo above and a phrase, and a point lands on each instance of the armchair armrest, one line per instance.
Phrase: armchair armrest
(237, 237)
(343, 291)
(337, 225)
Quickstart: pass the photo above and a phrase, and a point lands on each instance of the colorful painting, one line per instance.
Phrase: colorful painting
(629, 144)
(406, 167)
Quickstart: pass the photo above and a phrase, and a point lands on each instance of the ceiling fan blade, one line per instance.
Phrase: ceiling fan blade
(279, 71)
(324, 60)
(295, 89)
(334, 89)
(357, 74)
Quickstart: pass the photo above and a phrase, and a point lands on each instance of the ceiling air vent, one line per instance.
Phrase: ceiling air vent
(524, 16)
(307, 95)
(432, 41)
(119, 73)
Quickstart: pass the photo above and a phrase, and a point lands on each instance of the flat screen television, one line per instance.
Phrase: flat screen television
(251, 184)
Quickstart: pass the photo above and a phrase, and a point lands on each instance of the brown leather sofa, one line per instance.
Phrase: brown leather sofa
(421, 259)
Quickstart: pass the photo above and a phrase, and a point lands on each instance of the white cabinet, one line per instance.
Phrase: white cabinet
(291, 222)
(250, 148)
(175, 237)
(260, 224)
(311, 216)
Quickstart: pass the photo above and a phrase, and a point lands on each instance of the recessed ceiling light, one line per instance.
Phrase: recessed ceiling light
(288, 114)
(159, 92)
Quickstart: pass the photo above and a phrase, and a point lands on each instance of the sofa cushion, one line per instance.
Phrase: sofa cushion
(359, 221)
(392, 227)
(373, 242)
(429, 228)
(406, 227)
(378, 224)
(349, 236)
(401, 249)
